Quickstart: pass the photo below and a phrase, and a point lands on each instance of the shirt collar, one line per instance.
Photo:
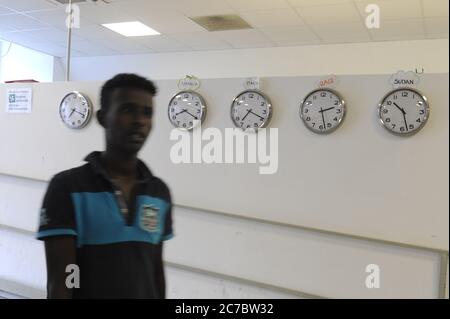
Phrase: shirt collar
(144, 173)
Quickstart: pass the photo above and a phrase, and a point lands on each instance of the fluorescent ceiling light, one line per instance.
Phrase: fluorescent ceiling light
(131, 29)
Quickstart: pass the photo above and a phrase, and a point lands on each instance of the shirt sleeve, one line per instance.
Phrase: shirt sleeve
(57, 216)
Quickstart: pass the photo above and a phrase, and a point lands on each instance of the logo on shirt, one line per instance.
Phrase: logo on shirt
(149, 218)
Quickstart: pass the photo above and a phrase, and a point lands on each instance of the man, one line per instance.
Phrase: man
(110, 216)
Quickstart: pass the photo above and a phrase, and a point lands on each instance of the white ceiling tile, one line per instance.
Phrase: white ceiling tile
(435, 8)
(19, 37)
(255, 5)
(243, 38)
(94, 31)
(196, 8)
(272, 18)
(57, 36)
(436, 25)
(296, 43)
(161, 42)
(201, 41)
(393, 9)
(290, 35)
(125, 45)
(172, 22)
(21, 22)
(4, 28)
(99, 14)
(307, 3)
(343, 32)
(26, 5)
(92, 48)
(339, 13)
(55, 17)
(399, 29)
(47, 48)
(5, 10)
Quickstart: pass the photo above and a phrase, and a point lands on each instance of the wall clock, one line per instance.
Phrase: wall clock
(251, 109)
(184, 108)
(75, 110)
(403, 111)
(322, 111)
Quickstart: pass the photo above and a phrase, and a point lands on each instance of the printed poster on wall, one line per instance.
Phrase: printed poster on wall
(18, 100)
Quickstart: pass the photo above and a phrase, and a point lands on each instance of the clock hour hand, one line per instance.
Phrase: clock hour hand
(248, 112)
(400, 108)
(184, 110)
(73, 110)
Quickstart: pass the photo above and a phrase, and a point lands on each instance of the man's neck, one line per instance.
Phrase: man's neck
(119, 164)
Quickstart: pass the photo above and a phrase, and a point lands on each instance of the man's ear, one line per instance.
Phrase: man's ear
(101, 117)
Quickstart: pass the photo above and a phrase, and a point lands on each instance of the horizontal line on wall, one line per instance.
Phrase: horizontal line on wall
(271, 222)
(298, 227)
(243, 281)
(315, 230)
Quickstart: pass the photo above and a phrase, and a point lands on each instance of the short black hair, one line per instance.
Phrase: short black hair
(124, 80)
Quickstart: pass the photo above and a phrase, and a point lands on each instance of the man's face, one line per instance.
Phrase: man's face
(129, 119)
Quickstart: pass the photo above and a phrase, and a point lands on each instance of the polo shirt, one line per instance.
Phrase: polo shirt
(118, 256)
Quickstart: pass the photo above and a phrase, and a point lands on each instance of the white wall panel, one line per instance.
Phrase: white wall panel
(319, 264)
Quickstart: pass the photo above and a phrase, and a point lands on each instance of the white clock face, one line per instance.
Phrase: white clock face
(403, 111)
(75, 110)
(251, 110)
(322, 111)
(185, 108)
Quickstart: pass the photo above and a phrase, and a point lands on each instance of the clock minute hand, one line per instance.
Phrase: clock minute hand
(195, 117)
(83, 115)
(323, 118)
(406, 124)
(257, 115)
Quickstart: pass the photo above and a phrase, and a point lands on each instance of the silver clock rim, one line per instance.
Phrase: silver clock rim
(90, 109)
(203, 108)
(344, 110)
(265, 123)
(427, 111)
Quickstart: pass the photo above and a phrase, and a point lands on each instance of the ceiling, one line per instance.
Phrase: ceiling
(40, 24)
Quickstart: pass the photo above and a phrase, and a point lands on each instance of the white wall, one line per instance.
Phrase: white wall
(356, 58)
(23, 64)
(268, 260)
